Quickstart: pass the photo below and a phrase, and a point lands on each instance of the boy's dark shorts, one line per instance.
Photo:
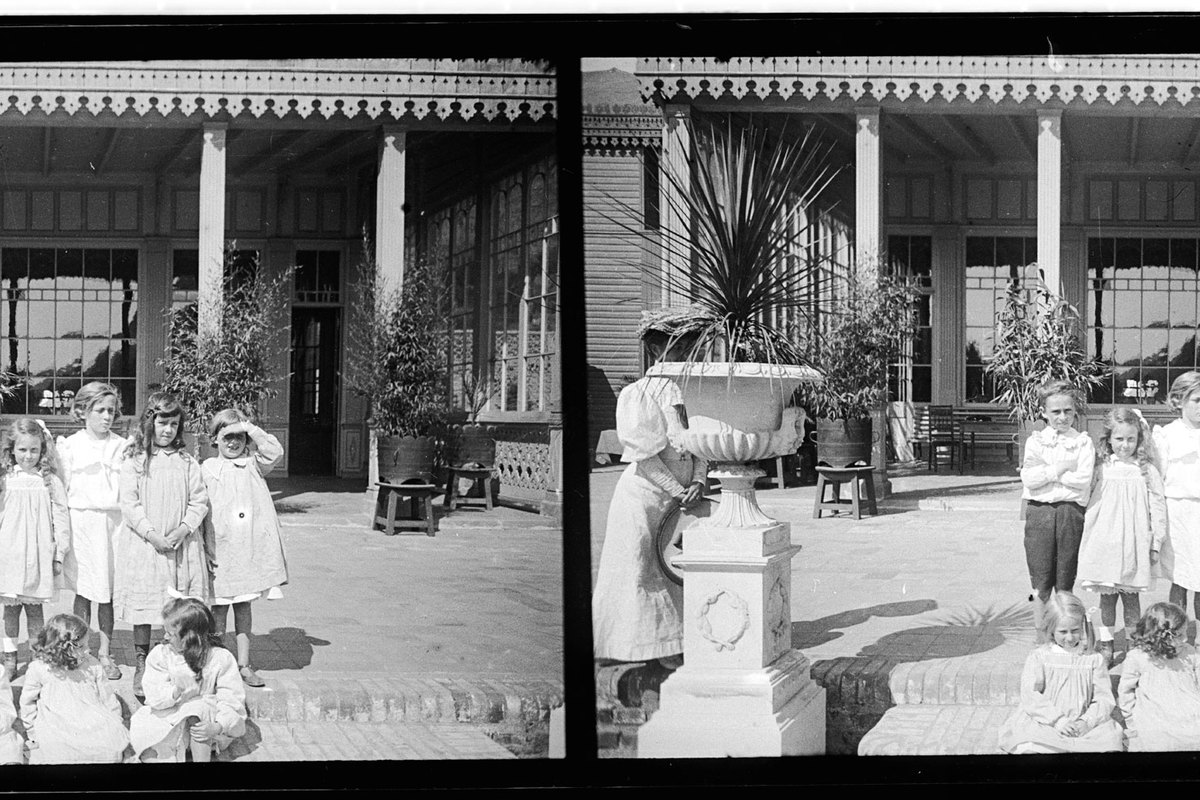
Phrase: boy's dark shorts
(1053, 532)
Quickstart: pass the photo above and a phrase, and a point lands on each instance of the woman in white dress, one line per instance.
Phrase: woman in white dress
(636, 609)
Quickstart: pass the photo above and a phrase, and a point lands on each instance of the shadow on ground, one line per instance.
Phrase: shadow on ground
(283, 488)
(990, 489)
(244, 745)
(282, 648)
(813, 633)
(858, 688)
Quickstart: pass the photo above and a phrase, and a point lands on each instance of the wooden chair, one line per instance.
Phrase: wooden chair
(936, 435)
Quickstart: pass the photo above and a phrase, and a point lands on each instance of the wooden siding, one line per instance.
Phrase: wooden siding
(614, 279)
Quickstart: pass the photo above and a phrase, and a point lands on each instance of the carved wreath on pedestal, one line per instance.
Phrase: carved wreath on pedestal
(732, 602)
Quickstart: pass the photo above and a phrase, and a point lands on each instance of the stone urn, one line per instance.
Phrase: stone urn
(742, 691)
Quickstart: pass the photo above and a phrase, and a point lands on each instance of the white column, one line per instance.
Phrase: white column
(389, 208)
(1049, 199)
(212, 227)
(389, 240)
(868, 252)
(675, 226)
(868, 189)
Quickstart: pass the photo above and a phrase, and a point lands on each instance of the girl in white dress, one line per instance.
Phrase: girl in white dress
(1159, 692)
(1177, 448)
(1124, 525)
(1066, 696)
(194, 694)
(35, 531)
(91, 463)
(241, 534)
(636, 609)
(70, 713)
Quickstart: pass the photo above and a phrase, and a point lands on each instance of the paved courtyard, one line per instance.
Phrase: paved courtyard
(465, 626)
(920, 598)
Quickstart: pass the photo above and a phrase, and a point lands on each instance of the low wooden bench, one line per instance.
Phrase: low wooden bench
(983, 429)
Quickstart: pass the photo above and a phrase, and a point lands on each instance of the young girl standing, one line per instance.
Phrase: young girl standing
(1125, 523)
(1177, 447)
(35, 531)
(70, 713)
(241, 535)
(1057, 477)
(1158, 694)
(194, 694)
(163, 501)
(1066, 696)
(91, 464)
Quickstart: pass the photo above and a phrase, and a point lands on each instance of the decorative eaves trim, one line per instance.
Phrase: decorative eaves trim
(622, 130)
(1055, 81)
(423, 88)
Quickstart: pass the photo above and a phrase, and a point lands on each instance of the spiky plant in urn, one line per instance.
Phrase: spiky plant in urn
(742, 690)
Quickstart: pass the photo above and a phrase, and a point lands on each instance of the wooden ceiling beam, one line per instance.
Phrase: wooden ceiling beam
(922, 137)
(101, 164)
(1022, 136)
(970, 139)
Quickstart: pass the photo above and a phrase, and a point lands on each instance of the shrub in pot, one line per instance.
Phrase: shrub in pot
(234, 367)
(1037, 340)
(396, 361)
(864, 331)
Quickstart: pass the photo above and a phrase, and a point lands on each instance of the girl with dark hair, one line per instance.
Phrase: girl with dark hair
(194, 695)
(1158, 694)
(164, 502)
(68, 708)
(35, 531)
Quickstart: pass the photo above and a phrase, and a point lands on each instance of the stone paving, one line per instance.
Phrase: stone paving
(389, 631)
(926, 604)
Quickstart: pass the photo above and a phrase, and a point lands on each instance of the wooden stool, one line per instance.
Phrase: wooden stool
(453, 500)
(836, 476)
(420, 497)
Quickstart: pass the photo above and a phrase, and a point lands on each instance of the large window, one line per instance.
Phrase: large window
(996, 266)
(68, 317)
(453, 249)
(522, 313)
(1142, 314)
(911, 378)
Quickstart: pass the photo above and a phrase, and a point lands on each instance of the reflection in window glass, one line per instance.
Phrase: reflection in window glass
(1142, 315)
(996, 266)
(67, 316)
(911, 378)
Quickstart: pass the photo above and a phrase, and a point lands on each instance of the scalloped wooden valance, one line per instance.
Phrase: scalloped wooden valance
(1096, 83)
(424, 89)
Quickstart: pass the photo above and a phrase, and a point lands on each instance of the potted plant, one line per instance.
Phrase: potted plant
(396, 361)
(475, 448)
(236, 367)
(867, 328)
(740, 368)
(1038, 339)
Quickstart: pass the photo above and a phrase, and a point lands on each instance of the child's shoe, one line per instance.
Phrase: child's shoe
(10, 665)
(111, 670)
(1105, 649)
(250, 677)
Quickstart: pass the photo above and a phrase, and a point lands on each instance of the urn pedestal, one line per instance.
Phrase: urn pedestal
(742, 691)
